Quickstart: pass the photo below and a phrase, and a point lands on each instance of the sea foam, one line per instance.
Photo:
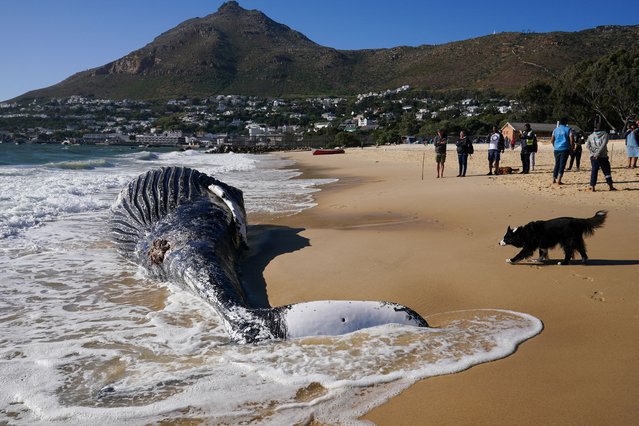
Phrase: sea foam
(32, 196)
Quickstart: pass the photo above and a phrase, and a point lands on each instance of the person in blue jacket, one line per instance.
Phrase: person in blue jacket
(562, 141)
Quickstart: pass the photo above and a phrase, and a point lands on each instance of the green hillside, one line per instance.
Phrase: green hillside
(239, 51)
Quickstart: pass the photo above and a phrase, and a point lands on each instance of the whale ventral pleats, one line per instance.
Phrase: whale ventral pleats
(159, 248)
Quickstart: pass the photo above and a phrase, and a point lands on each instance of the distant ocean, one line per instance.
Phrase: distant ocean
(87, 338)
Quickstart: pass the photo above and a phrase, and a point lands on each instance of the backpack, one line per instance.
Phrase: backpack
(470, 148)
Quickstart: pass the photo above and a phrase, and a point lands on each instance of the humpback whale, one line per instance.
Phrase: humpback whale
(189, 228)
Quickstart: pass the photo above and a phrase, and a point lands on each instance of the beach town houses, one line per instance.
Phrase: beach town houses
(256, 130)
(173, 138)
(107, 139)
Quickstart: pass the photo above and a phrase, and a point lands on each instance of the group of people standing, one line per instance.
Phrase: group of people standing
(567, 145)
(464, 149)
(565, 142)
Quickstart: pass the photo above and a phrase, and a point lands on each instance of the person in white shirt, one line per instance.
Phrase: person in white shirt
(495, 147)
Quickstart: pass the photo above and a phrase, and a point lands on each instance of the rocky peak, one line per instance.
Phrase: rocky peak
(230, 7)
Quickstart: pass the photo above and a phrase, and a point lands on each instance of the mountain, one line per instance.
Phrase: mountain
(239, 51)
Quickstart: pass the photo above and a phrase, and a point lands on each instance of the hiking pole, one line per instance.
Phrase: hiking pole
(612, 151)
(423, 159)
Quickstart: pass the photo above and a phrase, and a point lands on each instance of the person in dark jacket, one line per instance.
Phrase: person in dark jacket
(464, 149)
(528, 146)
(575, 152)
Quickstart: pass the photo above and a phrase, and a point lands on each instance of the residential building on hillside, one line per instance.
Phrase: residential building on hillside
(162, 139)
(256, 130)
(106, 138)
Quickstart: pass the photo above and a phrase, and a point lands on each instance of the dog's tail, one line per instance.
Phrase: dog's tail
(597, 221)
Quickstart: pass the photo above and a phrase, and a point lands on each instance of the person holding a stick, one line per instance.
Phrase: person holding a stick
(464, 149)
(440, 151)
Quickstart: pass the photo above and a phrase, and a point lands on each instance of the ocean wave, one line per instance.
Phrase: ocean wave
(29, 201)
(32, 196)
(146, 156)
(81, 165)
(213, 164)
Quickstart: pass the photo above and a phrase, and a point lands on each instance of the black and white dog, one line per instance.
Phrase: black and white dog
(545, 234)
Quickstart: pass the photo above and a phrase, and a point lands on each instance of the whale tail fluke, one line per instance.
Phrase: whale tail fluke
(337, 317)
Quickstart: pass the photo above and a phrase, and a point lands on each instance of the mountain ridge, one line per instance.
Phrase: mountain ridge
(239, 51)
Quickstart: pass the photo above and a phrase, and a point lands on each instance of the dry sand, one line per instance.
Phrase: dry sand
(383, 233)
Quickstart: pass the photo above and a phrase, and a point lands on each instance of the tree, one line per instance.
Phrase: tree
(346, 139)
(574, 97)
(387, 136)
(622, 83)
(168, 122)
(535, 100)
(607, 87)
(408, 125)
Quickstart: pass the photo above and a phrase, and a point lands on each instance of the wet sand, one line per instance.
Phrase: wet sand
(384, 233)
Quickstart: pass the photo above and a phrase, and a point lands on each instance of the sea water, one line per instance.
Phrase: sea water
(86, 337)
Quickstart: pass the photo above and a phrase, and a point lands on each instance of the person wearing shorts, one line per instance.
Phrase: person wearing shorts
(440, 151)
(495, 147)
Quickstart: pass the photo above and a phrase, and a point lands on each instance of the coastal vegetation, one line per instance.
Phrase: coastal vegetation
(600, 89)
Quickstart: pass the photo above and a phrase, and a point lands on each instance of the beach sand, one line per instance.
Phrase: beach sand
(384, 233)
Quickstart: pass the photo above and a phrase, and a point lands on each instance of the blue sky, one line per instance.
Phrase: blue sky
(44, 41)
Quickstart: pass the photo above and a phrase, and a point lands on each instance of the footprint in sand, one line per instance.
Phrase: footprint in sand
(598, 296)
(591, 279)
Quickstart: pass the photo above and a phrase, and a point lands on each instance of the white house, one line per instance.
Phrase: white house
(257, 130)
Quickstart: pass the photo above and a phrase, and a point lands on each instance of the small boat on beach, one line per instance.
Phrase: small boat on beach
(328, 151)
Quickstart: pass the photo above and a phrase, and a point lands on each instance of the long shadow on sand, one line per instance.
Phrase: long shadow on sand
(266, 243)
(591, 262)
(611, 262)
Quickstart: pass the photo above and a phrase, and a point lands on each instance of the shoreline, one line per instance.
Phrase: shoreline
(432, 245)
